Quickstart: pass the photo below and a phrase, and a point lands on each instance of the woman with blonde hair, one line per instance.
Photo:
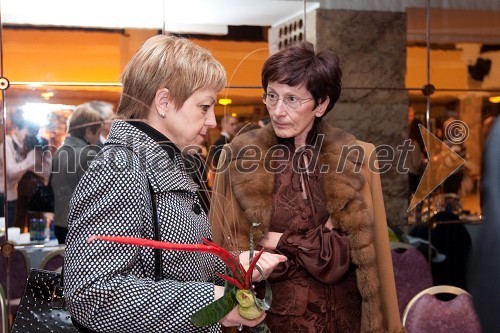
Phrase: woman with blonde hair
(138, 186)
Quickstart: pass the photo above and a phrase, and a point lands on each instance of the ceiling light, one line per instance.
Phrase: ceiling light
(47, 95)
(225, 101)
(494, 99)
(39, 112)
(195, 16)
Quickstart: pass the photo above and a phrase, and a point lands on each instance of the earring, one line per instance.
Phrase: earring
(162, 114)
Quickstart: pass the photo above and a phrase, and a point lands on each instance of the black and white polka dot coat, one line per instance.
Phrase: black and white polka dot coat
(110, 287)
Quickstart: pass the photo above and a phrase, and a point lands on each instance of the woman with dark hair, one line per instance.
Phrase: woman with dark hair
(297, 190)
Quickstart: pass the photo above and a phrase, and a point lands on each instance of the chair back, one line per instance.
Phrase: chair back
(18, 266)
(15, 269)
(426, 313)
(4, 315)
(400, 245)
(412, 273)
(53, 261)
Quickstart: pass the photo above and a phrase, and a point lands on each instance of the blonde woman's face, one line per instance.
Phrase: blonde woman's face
(189, 124)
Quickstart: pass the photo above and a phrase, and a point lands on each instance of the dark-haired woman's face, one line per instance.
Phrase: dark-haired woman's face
(292, 122)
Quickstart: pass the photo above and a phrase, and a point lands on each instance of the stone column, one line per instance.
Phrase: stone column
(373, 105)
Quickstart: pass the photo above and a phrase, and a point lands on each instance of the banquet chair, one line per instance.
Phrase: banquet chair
(53, 261)
(18, 265)
(4, 313)
(425, 313)
(412, 273)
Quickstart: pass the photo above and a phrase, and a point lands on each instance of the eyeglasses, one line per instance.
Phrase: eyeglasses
(293, 102)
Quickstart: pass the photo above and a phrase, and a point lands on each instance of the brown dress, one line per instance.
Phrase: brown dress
(315, 291)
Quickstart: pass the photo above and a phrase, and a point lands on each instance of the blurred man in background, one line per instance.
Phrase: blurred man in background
(107, 113)
(228, 125)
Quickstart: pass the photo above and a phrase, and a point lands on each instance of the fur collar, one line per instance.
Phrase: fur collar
(252, 178)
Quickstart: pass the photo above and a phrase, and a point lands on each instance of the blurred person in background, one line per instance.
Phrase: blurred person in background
(453, 183)
(264, 121)
(487, 126)
(107, 113)
(484, 270)
(71, 160)
(22, 156)
(228, 125)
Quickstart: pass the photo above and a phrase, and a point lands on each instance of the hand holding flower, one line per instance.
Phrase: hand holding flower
(240, 278)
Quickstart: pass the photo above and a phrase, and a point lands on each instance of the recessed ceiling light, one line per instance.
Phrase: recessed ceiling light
(225, 101)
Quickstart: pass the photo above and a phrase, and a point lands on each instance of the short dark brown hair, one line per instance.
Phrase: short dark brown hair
(298, 65)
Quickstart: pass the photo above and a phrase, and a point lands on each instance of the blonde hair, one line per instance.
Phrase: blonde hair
(81, 118)
(167, 62)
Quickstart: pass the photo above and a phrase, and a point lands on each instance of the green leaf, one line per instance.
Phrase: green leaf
(215, 311)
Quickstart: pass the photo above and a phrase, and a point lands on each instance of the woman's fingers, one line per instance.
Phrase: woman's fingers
(267, 263)
(329, 224)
